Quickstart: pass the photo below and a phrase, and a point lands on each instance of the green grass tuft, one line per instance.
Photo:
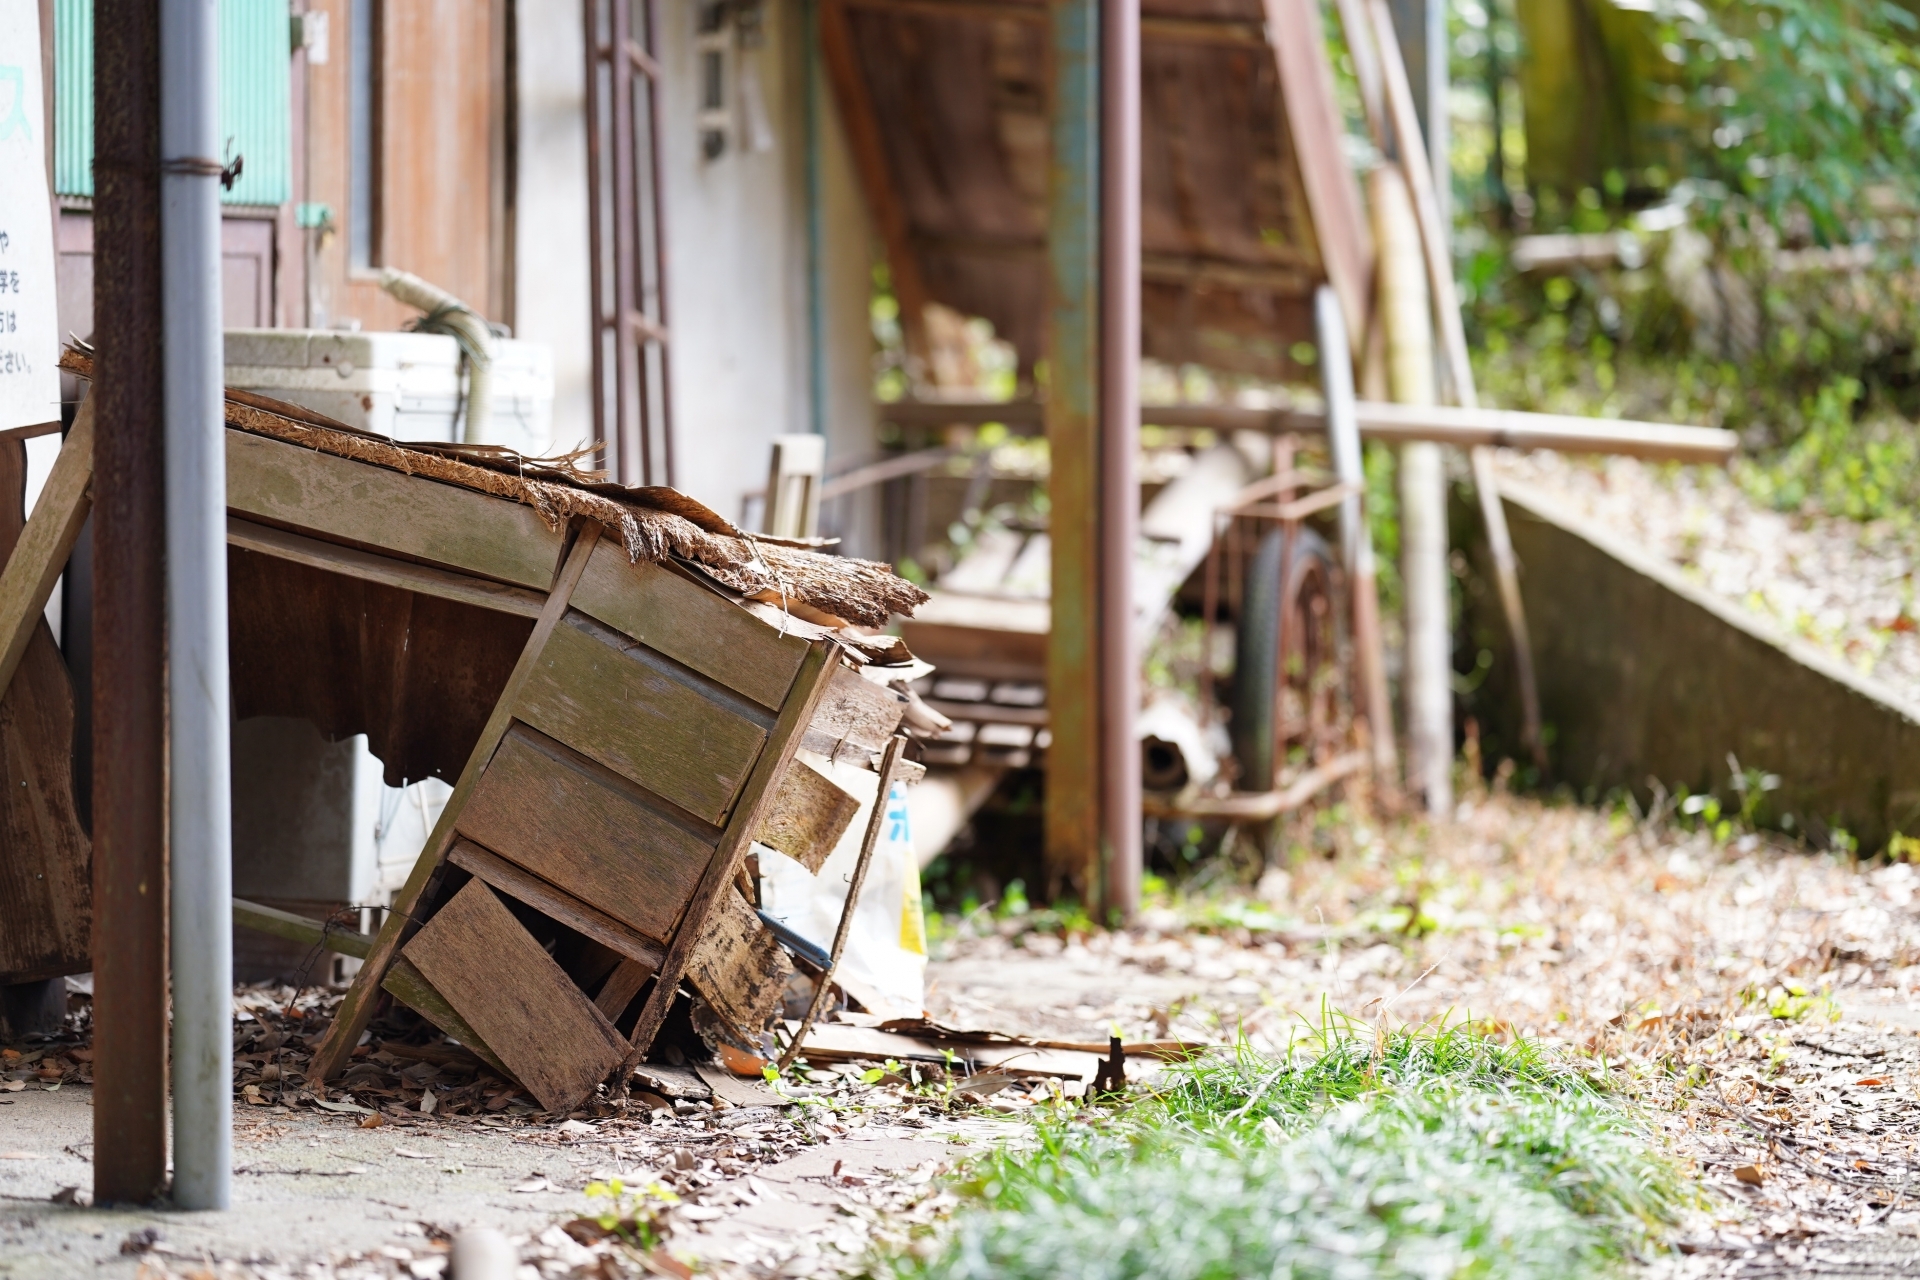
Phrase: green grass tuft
(1420, 1153)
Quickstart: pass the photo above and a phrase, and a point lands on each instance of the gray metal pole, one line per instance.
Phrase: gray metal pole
(200, 830)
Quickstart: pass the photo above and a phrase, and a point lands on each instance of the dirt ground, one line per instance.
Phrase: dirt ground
(1760, 1000)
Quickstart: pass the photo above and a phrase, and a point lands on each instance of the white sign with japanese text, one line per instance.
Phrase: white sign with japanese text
(29, 323)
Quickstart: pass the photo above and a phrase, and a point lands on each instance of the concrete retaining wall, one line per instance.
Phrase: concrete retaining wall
(1644, 675)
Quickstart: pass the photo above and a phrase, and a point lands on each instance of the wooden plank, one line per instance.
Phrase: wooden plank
(579, 916)
(823, 657)
(295, 928)
(411, 988)
(356, 1007)
(40, 556)
(855, 719)
(621, 986)
(410, 516)
(869, 149)
(691, 625)
(809, 814)
(646, 718)
(1315, 129)
(739, 969)
(520, 1003)
(587, 830)
(403, 574)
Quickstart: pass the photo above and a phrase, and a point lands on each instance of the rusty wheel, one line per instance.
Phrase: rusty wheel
(1288, 701)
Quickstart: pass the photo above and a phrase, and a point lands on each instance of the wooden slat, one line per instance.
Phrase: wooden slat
(645, 718)
(520, 1003)
(855, 719)
(579, 916)
(40, 555)
(586, 829)
(690, 624)
(409, 516)
(411, 988)
(739, 967)
(823, 657)
(809, 814)
(621, 986)
(403, 574)
(301, 929)
(356, 1007)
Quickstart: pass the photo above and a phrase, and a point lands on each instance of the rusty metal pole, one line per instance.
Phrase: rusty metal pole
(1075, 814)
(129, 614)
(1119, 449)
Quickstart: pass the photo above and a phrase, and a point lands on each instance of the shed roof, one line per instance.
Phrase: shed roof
(1247, 201)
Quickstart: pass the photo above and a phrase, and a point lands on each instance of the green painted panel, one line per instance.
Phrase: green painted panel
(255, 109)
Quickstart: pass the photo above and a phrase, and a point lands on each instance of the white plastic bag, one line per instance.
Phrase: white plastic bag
(885, 963)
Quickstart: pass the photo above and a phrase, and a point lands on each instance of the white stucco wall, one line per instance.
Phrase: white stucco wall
(736, 262)
(553, 301)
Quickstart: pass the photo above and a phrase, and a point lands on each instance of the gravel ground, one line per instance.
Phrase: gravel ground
(1846, 586)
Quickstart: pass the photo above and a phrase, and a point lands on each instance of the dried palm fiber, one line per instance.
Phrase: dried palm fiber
(652, 523)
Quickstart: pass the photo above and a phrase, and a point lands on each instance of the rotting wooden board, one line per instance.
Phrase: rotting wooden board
(642, 716)
(621, 986)
(46, 893)
(36, 554)
(581, 917)
(403, 574)
(838, 1042)
(738, 968)
(411, 988)
(520, 1004)
(410, 516)
(690, 624)
(855, 719)
(810, 813)
(588, 830)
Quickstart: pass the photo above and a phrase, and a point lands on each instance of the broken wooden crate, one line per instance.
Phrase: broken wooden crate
(623, 715)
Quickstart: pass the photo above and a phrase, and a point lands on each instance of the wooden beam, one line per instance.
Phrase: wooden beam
(404, 574)
(40, 556)
(356, 1008)
(301, 929)
(583, 918)
(870, 160)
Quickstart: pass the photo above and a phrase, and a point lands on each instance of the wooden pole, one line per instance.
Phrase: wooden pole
(129, 615)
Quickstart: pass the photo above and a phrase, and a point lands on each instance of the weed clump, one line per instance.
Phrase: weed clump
(1415, 1152)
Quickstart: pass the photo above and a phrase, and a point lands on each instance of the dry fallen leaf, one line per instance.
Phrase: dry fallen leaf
(1871, 1082)
(373, 1121)
(1750, 1174)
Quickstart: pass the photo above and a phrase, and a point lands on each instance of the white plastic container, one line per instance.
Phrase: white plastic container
(406, 386)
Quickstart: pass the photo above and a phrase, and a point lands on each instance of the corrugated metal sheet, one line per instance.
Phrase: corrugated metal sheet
(73, 97)
(255, 114)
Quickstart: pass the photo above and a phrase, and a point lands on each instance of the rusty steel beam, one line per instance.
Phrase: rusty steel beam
(129, 613)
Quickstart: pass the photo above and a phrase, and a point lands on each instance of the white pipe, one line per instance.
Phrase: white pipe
(458, 317)
(200, 831)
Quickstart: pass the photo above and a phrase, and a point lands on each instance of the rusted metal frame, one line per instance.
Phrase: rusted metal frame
(1075, 815)
(870, 162)
(876, 818)
(657, 199)
(1119, 526)
(1223, 31)
(803, 700)
(1300, 508)
(356, 1008)
(1446, 306)
(129, 615)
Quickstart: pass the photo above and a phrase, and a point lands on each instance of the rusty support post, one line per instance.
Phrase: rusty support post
(1119, 449)
(1074, 813)
(129, 613)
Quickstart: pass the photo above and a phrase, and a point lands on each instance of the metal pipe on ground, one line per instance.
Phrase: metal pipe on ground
(200, 807)
(129, 614)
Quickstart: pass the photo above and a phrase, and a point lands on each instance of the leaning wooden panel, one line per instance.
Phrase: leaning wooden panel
(739, 968)
(406, 984)
(690, 624)
(809, 814)
(582, 917)
(586, 829)
(493, 974)
(647, 719)
(412, 516)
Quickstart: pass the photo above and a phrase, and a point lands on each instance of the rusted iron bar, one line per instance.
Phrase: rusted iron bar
(1119, 452)
(129, 612)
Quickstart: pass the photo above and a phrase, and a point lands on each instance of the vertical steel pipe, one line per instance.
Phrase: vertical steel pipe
(129, 614)
(1119, 448)
(200, 844)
